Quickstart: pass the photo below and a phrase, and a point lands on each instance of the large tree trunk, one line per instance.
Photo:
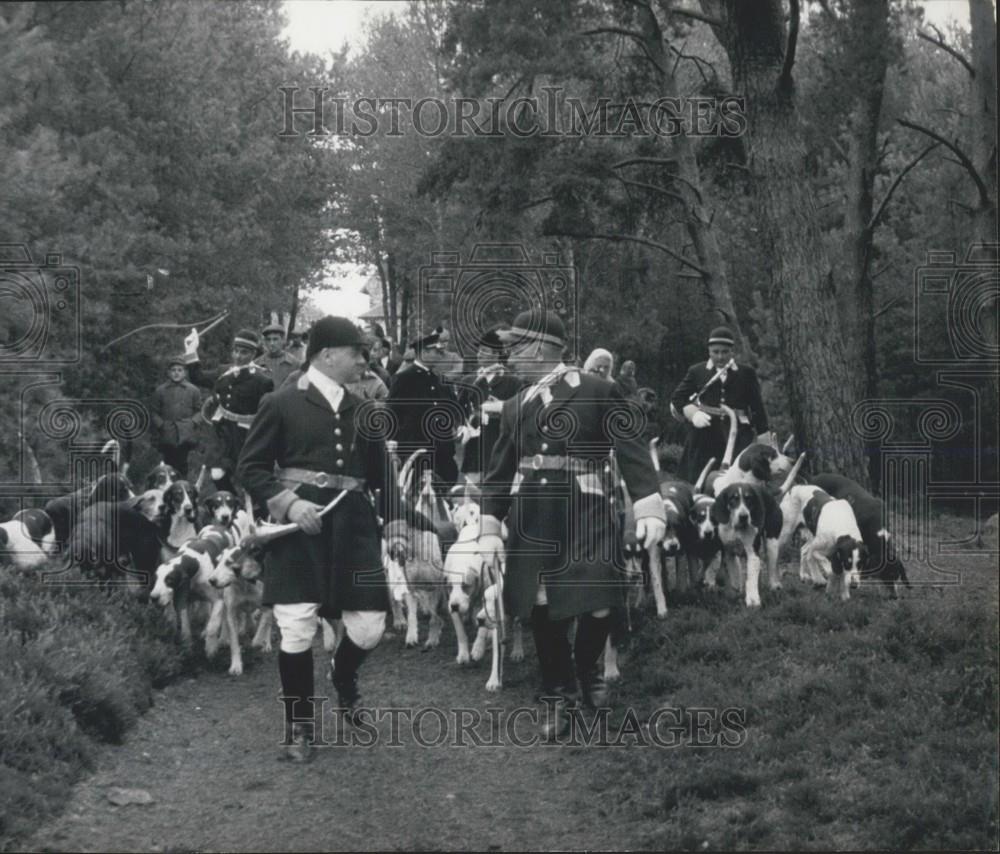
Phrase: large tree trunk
(870, 23)
(984, 157)
(869, 28)
(823, 387)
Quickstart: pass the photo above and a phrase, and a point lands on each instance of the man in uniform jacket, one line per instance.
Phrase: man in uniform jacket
(481, 396)
(173, 408)
(427, 413)
(705, 387)
(310, 441)
(276, 361)
(237, 390)
(547, 478)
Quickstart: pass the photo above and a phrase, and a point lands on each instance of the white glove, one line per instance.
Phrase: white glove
(191, 342)
(650, 531)
(491, 407)
(217, 473)
(701, 419)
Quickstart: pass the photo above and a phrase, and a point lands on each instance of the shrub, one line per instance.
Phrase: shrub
(77, 668)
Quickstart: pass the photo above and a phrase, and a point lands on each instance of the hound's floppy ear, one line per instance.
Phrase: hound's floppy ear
(720, 509)
(761, 463)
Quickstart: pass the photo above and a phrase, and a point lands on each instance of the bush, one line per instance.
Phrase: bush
(77, 668)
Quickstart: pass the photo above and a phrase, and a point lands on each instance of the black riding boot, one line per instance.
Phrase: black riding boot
(345, 666)
(296, 671)
(591, 636)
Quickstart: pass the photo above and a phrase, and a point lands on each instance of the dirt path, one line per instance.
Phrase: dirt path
(207, 754)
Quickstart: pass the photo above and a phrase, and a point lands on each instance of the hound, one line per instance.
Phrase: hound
(162, 476)
(416, 573)
(28, 540)
(237, 575)
(869, 512)
(749, 520)
(835, 548)
(181, 500)
(468, 584)
(187, 575)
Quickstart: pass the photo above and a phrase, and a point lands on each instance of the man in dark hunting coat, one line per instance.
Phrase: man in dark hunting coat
(310, 441)
(426, 409)
(548, 479)
(236, 393)
(704, 388)
(481, 396)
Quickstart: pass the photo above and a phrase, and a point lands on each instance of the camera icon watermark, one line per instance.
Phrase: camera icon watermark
(496, 283)
(954, 305)
(40, 308)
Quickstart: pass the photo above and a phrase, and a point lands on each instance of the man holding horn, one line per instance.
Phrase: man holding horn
(707, 386)
(311, 441)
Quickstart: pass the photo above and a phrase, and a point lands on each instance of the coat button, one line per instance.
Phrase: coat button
(545, 446)
(340, 464)
(336, 431)
(340, 447)
(543, 480)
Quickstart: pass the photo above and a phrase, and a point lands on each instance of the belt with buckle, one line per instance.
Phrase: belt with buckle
(717, 412)
(242, 420)
(548, 462)
(323, 479)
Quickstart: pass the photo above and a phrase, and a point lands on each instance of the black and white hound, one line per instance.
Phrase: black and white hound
(748, 519)
(757, 463)
(835, 552)
(181, 499)
(869, 512)
(28, 540)
(162, 476)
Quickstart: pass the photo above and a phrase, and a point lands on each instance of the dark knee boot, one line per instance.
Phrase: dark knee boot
(346, 662)
(591, 636)
(296, 671)
(540, 632)
(561, 700)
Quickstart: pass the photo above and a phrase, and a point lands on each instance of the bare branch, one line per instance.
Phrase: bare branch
(644, 186)
(892, 187)
(940, 42)
(984, 194)
(628, 238)
(620, 31)
(886, 307)
(698, 16)
(635, 161)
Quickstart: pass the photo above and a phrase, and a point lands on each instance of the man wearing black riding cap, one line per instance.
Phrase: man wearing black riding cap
(236, 393)
(707, 386)
(312, 441)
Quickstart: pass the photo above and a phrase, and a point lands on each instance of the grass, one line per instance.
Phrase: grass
(77, 669)
(869, 724)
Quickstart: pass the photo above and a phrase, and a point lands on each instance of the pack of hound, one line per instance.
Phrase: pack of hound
(167, 545)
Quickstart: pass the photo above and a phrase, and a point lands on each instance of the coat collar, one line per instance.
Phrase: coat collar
(315, 396)
(732, 366)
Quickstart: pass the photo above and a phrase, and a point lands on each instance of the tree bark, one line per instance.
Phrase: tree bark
(698, 221)
(823, 388)
(856, 295)
(984, 156)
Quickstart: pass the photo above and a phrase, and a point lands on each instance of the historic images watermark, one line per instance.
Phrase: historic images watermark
(666, 727)
(550, 114)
